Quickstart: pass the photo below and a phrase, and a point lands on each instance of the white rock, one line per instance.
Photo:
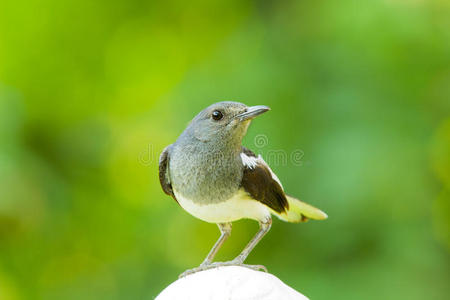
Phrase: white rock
(229, 283)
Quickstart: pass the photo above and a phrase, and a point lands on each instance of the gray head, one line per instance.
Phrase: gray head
(222, 123)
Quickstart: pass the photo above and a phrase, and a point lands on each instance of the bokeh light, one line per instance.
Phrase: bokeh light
(92, 91)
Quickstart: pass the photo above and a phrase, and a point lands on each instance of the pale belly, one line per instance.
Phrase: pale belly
(240, 206)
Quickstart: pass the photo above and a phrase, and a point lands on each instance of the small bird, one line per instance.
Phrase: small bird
(217, 180)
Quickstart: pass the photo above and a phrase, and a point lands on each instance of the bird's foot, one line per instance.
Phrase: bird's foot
(204, 267)
(239, 264)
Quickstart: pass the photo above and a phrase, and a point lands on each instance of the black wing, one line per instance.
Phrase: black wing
(258, 181)
(163, 172)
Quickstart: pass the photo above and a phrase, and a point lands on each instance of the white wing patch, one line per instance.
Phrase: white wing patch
(251, 162)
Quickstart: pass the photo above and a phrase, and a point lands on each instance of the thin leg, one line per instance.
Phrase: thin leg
(264, 227)
(225, 232)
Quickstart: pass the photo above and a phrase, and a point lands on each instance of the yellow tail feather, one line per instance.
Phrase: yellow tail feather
(300, 212)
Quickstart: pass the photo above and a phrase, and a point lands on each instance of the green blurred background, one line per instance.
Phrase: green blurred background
(92, 91)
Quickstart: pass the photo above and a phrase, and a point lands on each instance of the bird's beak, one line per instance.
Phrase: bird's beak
(252, 112)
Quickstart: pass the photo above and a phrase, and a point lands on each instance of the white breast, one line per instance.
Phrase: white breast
(240, 206)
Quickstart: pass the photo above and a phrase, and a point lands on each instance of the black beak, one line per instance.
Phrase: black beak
(252, 112)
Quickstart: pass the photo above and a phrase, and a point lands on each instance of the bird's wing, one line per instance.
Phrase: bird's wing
(261, 183)
(164, 179)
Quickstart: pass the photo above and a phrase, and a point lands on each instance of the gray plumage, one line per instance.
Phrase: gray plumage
(205, 163)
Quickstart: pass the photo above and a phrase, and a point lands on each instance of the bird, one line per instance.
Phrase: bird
(216, 179)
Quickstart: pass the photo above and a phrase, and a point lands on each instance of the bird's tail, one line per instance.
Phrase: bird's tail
(300, 212)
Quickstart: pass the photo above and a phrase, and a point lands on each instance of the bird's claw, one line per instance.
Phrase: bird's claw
(204, 267)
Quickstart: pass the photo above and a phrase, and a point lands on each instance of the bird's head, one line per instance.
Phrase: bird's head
(224, 122)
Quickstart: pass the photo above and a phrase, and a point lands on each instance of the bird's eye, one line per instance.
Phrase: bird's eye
(217, 115)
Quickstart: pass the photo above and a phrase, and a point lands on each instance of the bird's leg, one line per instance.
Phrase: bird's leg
(264, 227)
(225, 232)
